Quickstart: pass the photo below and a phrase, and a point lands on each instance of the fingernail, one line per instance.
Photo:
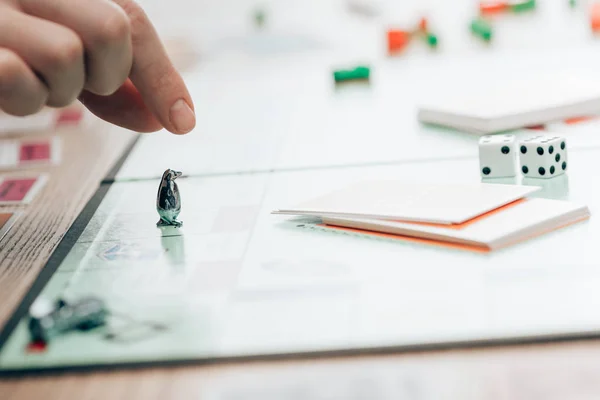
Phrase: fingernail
(182, 117)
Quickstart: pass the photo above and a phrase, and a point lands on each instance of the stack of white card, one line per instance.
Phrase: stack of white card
(475, 216)
(513, 104)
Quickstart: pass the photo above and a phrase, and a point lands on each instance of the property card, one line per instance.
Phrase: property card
(15, 190)
(17, 154)
(510, 224)
(7, 220)
(513, 104)
(393, 200)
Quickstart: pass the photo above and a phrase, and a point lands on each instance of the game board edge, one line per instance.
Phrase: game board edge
(461, 344)
(111, 176)
(62, 249)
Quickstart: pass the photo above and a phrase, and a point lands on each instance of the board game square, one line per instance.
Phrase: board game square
(15, 189)
(36, 151)
(235, 219)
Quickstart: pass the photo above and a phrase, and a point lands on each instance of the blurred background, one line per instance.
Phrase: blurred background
(261, 75)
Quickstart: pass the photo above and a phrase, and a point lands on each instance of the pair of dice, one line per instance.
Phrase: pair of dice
(539, 156)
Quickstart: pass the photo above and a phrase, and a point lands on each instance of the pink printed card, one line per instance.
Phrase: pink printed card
(29, 152)
(20, 190)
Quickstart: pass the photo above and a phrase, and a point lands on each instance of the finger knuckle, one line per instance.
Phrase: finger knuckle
(62, 97)
(11, 70)
(115, 29)
(27, 105)
(19, 96)
(35, 104)
(65, 53)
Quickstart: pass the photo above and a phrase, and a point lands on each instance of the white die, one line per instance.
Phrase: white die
(497, 156)
(543, 156)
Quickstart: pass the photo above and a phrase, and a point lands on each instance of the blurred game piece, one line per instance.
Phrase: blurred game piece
(481, 28)
(543, 156)
(432, 40)
(595, 17)
(259, 17)
(127, 329)
(423, 30)
(47, 321)
(359, 73)
(521, 5)
(497, 156)
(492, 7)
(397, 40)
(578, 120)
(36, 347)
(168, 200)
(536, 127)
(497, 7)
(41, 307)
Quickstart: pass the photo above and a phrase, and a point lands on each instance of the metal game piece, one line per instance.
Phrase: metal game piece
(168, 200)
(85, 314)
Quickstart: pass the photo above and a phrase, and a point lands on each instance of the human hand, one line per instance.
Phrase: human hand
(106, 53)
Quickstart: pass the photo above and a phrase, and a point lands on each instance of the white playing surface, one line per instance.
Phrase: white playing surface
(238, 281)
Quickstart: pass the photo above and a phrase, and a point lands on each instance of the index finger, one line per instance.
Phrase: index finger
(155, 77)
